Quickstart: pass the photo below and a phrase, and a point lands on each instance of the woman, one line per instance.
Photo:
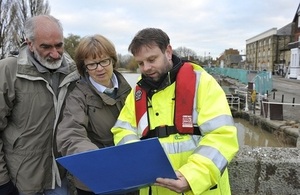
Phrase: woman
(94, 105)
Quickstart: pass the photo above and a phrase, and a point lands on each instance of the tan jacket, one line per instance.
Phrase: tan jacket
(29, 112)
(88, 118)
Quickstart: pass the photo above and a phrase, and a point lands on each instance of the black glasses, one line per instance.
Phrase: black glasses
(94, 66)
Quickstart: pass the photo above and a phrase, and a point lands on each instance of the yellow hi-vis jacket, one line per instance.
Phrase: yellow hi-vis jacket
(202, 160)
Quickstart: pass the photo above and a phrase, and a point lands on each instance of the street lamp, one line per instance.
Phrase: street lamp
(209, 65)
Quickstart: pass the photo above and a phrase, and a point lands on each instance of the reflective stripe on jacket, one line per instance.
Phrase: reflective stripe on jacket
(202, 160)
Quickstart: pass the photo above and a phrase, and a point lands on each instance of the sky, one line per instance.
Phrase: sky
(208, 27)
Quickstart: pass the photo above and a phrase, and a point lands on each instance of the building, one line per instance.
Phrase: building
(269, 50)
(231, 58)
(294, 46)
(277, 51)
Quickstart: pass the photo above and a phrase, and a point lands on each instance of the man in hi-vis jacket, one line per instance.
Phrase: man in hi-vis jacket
(181, 104)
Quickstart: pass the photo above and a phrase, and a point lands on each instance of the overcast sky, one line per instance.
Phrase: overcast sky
(205, 26)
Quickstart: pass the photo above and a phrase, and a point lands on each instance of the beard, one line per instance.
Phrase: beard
(164, 71)
(47, 62)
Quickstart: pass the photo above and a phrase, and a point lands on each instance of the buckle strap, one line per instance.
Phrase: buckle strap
(165, 131)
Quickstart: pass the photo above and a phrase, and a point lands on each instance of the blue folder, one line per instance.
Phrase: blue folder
(120, 169)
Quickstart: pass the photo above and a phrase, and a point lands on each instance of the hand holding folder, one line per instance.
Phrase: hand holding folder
(120, 169)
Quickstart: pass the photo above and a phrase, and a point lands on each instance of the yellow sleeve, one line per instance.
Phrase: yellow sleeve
(124, 130)
(207, 166)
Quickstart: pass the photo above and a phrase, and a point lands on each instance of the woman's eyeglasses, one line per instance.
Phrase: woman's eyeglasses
(94, 66)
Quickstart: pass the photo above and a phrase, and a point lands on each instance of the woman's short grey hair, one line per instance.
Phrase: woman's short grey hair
(30, 25)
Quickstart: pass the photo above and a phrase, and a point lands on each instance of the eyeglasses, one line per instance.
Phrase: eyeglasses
(94, 66)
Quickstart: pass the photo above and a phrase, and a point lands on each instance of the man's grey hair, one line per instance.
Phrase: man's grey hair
(30, 25)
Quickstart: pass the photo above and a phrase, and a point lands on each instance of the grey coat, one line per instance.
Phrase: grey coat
(29, 112)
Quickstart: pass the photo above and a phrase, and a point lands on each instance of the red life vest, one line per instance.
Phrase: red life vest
(184, 99)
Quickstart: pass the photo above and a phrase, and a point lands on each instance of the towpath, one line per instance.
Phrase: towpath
(288, 92)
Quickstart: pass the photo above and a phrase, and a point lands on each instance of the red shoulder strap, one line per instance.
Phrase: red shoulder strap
(184, 99)
(140, 106)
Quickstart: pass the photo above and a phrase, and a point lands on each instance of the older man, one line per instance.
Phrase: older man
(33, 87)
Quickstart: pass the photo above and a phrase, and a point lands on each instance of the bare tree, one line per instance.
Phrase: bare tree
(29, 8)
(38, 7)
(13, 14)
(124, 60)
(185, 52)
(8, 10)
(132, 64)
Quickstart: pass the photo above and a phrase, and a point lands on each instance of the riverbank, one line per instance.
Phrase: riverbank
(286, 129)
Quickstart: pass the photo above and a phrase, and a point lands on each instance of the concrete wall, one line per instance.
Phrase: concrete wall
(266, 170)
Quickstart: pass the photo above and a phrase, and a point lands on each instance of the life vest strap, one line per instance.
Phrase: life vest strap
(165, 131)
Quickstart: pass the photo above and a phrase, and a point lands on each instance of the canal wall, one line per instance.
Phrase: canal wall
(267, 170)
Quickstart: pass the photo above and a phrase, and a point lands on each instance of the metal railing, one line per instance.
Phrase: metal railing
(234, 100)
(267, 113)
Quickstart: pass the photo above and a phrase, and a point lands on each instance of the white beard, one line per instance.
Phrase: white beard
(48, 64)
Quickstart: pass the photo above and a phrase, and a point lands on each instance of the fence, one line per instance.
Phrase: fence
(262, 80)
(274, 110)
